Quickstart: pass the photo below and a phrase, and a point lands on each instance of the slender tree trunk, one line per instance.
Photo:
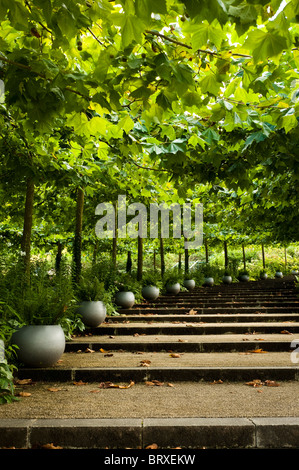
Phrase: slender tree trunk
(154, 260)
(285, 258)
(263, 256)
(225, 256)
(244, 258)
(27, 228)
(78, 236)
(162, 256)
(95, 252)
(207, 251)
(180, 261)
(129, 263)
(114, 240)
(58, 257)
(186, 260)
(140, 258)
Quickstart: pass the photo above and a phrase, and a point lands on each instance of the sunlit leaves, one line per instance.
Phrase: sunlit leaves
(265, 45)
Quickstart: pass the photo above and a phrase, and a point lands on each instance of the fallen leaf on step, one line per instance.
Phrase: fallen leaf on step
(192, 312)
(24, 381)
(285, 332)
(217, 382)
(154, 383)
(24, 394)
(50, 446)
(259, 351)
(271, 383)
(88, 350)
(145, 363)
(152, 446)
(108, 355)
(175, 355)
(54, 389)
(182, 340)
(170, 385)
(80, 383)
(255, 383)
(112, 385)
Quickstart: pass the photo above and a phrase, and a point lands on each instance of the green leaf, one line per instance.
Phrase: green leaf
(132, 30)
(210, 84)
(264, 44)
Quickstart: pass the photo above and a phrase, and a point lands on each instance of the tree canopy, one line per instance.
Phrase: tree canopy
(154, 97)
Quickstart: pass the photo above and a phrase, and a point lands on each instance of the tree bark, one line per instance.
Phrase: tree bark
(225, 256)
(207, 251)
(27, 229)
(58, 256)
(78, 237)
(186, 260)
(263, 256)
(140, 258)
(162, 256)
(129, 263)
(244, 257)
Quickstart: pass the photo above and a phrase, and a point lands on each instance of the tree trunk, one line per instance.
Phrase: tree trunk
(140, 258)
(207, 251)
(114, 240)
(186, 260)
(129, 263)
(27, 228)
(154, 260)
(244, 258)
(95, 252)
(225, 256)
(180, 261)
(162, 256)
(263, 256)
(78, 237)
(58, 257)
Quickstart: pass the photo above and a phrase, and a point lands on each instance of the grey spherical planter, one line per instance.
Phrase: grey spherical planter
(278, 274)
(227, 279)
(189, 284)
(264, 276)
(39, 345)
(150, 292)
(93, 312)
(125, 299)
(295, 272)
(244, 278)
(2, 349)
(173, 288)
(209, 282)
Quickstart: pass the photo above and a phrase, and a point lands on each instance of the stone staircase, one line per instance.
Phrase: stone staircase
(227, 333)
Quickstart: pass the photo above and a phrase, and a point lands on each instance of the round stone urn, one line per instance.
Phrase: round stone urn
(278, 274)
(93, 312)
(39, 345)
(173, 288)
(209, 282)
(150, 292)
(189, 284)
(125, 299)
(227, 279)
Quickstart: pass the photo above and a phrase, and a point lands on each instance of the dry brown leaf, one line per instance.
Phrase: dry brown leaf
(192, 312)
(54, 389)
(145, 363)
(24, 381)
(258, 351)
(112, 385)
(24, 394)
(88, 350)
(285, 332)
(102, 350)
(217, 382)
(255, 383)
(80, 383)
(152, 446)
(108, 355)
(170, 385)
(175, 355)
(271, 383)
(50, 446)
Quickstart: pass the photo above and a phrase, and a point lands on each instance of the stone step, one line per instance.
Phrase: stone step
(193, 329)
(206, 310)
(217, 318)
